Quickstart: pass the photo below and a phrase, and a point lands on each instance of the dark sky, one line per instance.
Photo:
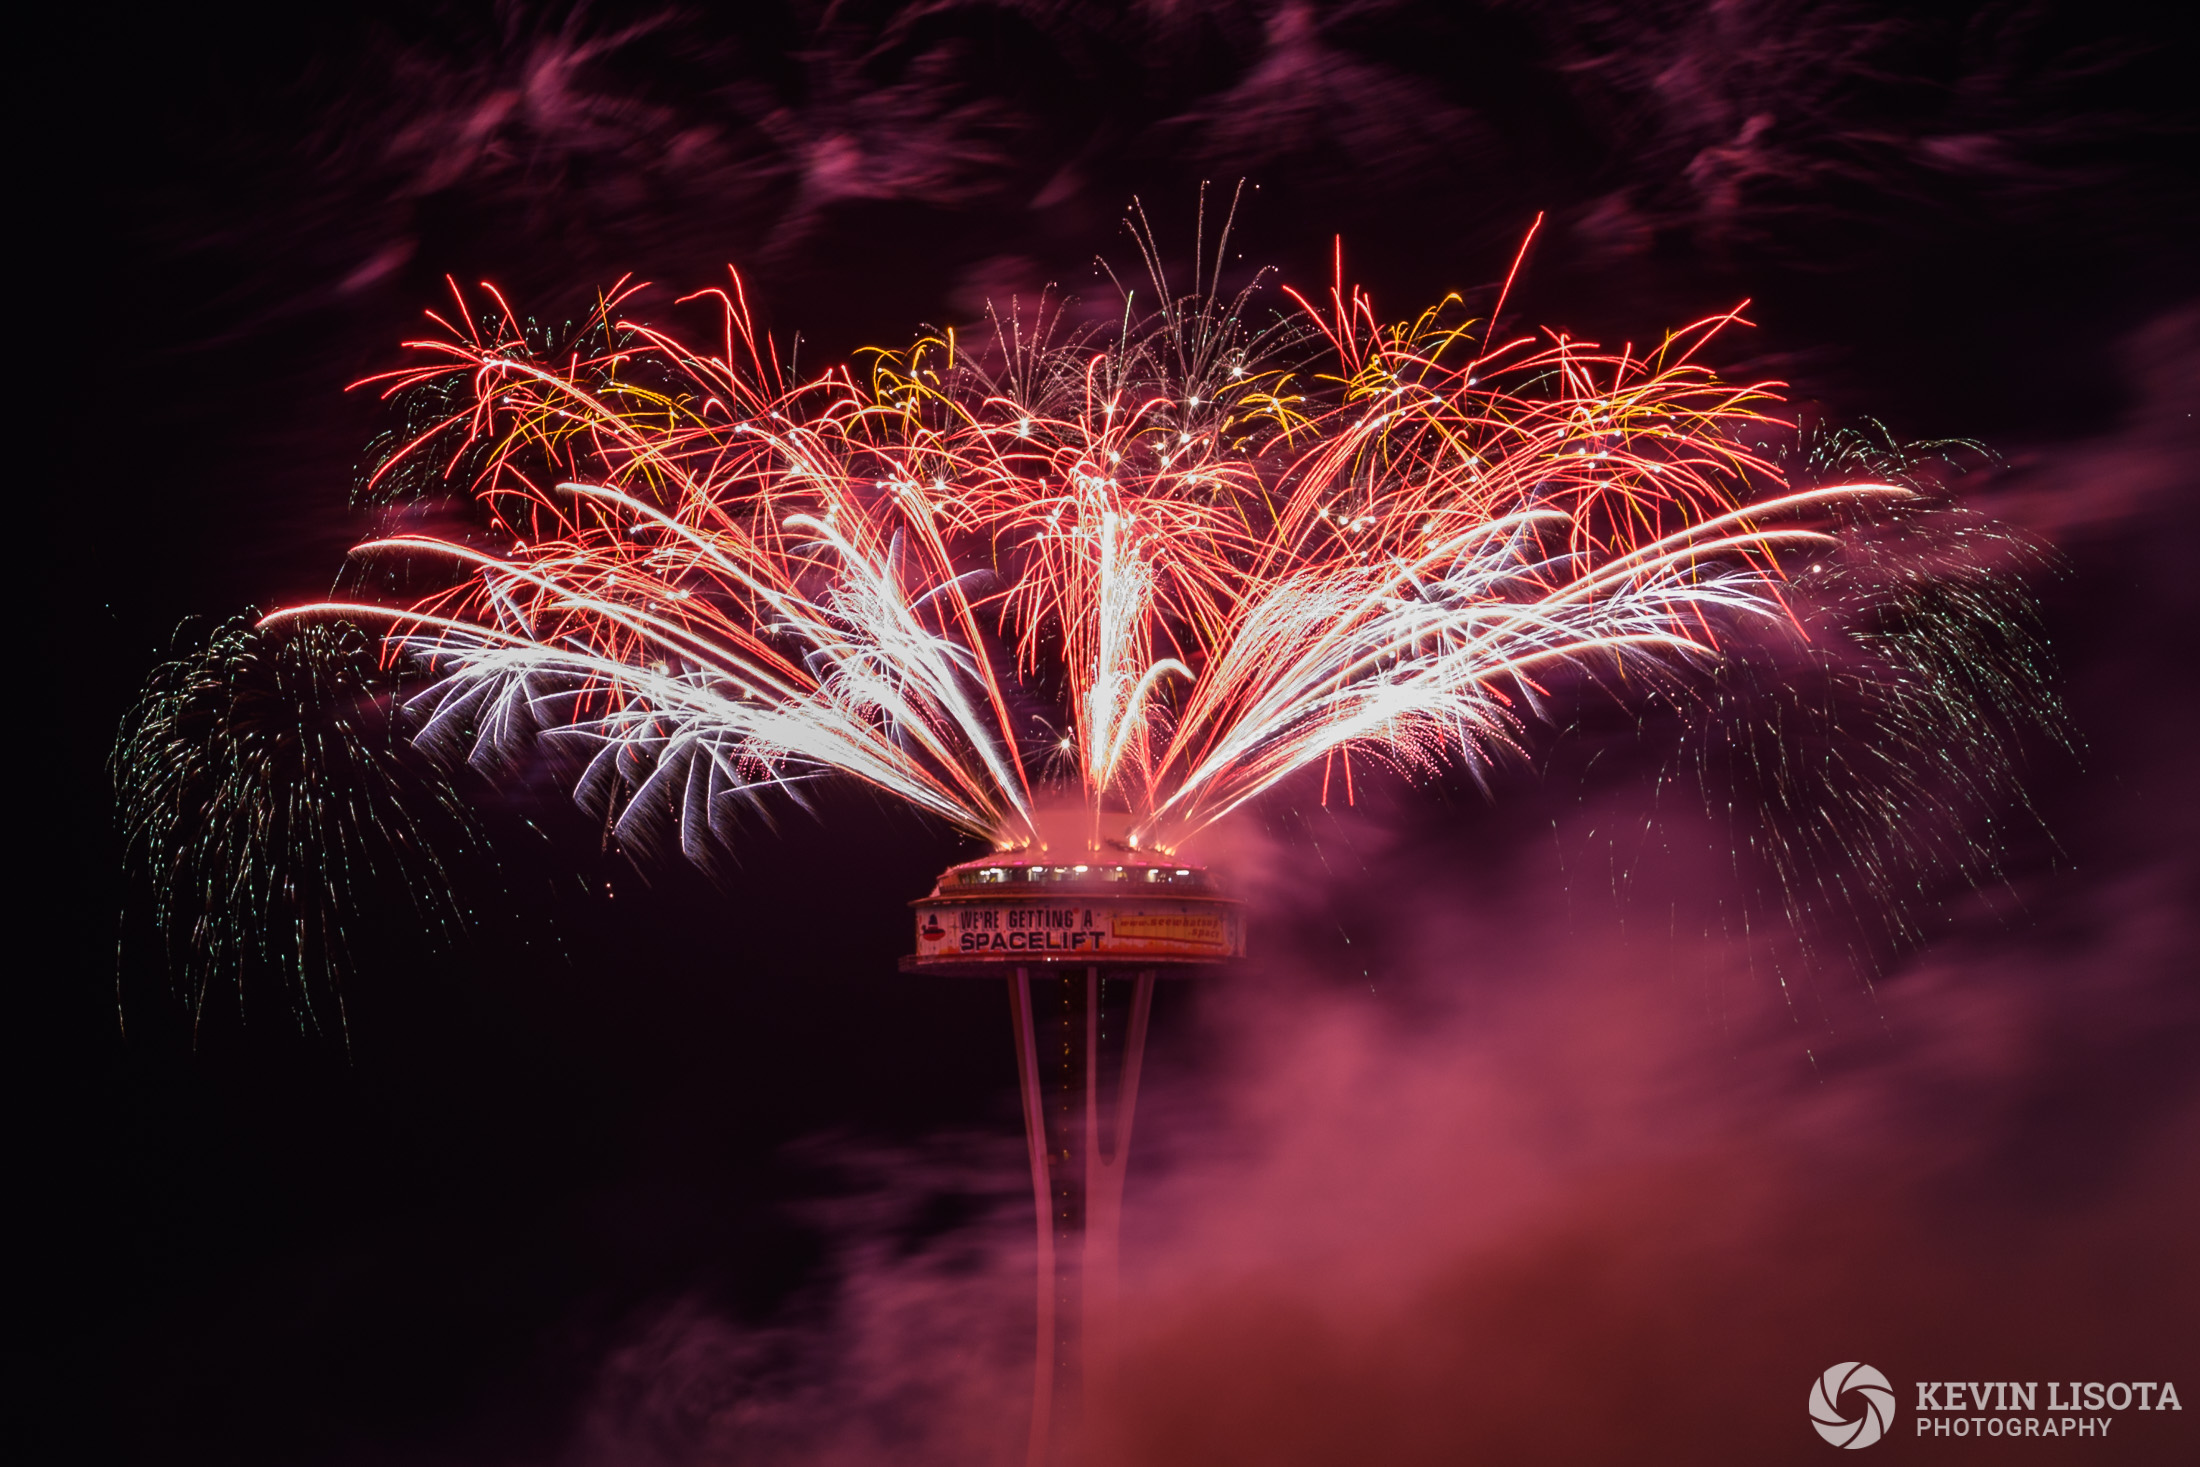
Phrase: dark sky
(658, 1168)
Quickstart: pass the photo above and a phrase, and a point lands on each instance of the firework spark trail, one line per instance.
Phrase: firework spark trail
(1873, 767)
(268, 794)
(1181, 558)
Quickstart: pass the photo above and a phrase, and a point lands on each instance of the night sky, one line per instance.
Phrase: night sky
(1518, 1140)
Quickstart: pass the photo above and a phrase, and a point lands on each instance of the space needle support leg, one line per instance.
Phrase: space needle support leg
(1035, 1133)
(1104, 1195)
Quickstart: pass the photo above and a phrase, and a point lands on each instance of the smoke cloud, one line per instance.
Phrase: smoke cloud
(1491, 1158)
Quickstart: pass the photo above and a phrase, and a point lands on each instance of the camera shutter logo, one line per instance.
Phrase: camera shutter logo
(1871, 1392)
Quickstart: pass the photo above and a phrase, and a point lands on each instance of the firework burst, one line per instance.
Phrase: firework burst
(269, 791)
(1150, 568)
(1868, 764)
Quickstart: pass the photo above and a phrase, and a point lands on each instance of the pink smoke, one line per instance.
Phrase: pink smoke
(1562, 1172)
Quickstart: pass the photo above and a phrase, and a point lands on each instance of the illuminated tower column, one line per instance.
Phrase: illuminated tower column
(1080, 943)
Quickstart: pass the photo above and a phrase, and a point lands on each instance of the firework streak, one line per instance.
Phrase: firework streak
(1154, 568)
